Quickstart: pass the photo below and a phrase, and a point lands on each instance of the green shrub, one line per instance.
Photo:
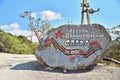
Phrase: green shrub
(16, 44)
(114, 51)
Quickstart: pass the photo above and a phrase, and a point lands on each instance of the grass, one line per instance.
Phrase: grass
(16, 44)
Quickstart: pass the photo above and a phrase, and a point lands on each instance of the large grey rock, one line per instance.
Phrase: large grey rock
(73, 47)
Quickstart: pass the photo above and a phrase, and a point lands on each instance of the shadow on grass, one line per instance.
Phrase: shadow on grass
(34, 65)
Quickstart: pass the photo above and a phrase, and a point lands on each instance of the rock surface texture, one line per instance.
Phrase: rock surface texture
(73, 47)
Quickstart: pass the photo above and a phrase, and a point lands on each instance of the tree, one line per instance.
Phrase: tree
(38, 26)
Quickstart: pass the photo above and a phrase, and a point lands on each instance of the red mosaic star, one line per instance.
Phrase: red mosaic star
(59, 34)
(95, 43)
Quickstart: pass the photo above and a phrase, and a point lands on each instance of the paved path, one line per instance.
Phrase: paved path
(26, 67)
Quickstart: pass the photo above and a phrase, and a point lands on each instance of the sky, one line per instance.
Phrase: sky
(58, 12)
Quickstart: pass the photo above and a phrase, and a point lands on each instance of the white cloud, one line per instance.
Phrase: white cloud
(10, 27)
(14, 25)
(33, 15)
(50, 15)
(14, 29)
(4, 27)
(25, 33)
(20, 32)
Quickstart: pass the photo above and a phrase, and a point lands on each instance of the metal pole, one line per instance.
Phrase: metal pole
(85, 5)
(87, 13)
(82, 18)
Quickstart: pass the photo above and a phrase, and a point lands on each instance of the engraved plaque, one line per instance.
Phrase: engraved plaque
(73, 47)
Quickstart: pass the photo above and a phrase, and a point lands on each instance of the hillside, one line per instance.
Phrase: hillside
(16, 44)
(114, 32)
(114, 51)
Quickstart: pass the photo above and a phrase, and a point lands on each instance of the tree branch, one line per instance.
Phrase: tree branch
(111, 59)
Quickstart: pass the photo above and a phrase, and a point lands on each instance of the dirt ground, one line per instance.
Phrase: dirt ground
(26, 67)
